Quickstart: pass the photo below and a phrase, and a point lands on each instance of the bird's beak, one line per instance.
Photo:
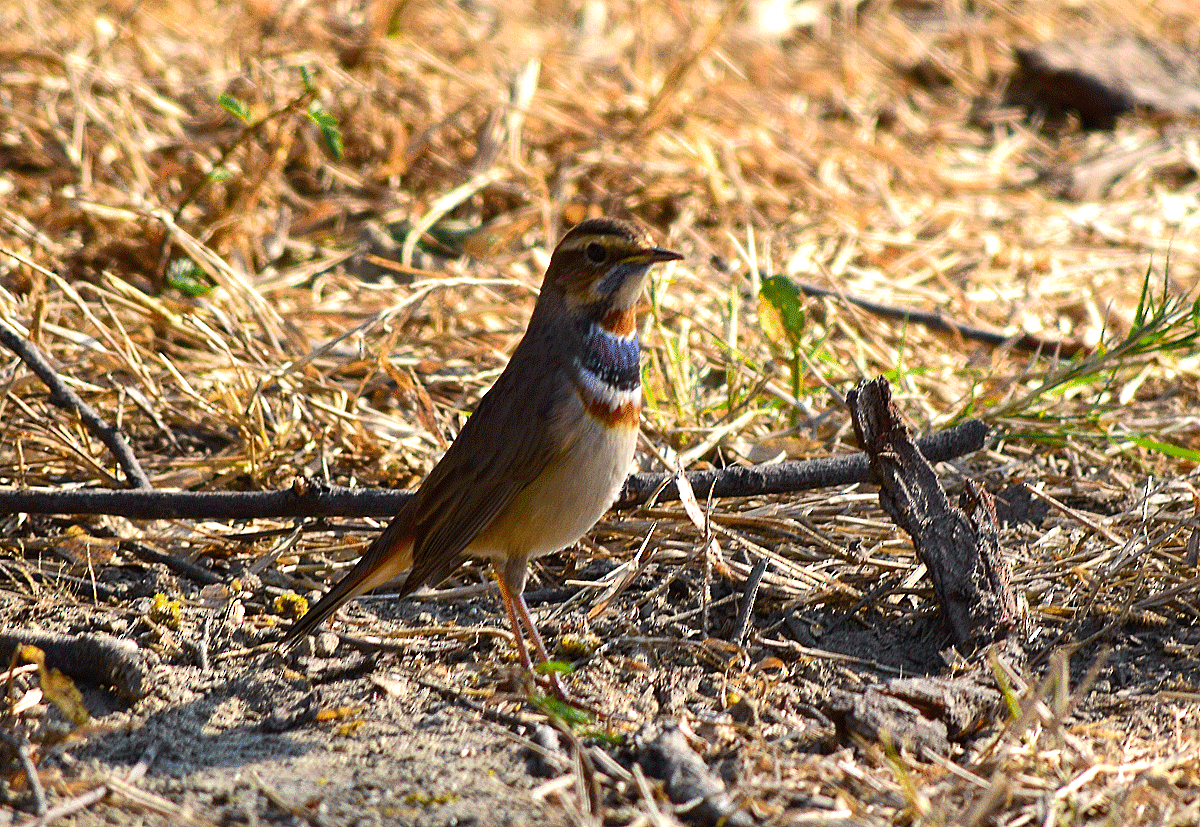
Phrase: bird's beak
(652, 255)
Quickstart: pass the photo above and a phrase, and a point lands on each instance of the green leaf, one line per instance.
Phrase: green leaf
(234, 107)
(329, 128)
(566, 713)
(333, 140)
(187, 277)
(1166, 448)
(608, 739)
(307, 79)
(781, 296)
(560, 667)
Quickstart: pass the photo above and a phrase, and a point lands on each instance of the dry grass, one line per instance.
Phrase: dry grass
(863, 150)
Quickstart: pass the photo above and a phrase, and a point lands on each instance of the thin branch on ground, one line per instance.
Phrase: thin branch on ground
(20, 746)
(82, 802)
(308, 499)
(64, 397)
(793, 475)
(936, 320)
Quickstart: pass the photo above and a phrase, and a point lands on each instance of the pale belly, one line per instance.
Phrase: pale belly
(562, 504)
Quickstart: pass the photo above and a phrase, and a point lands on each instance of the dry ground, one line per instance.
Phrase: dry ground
(250, 306)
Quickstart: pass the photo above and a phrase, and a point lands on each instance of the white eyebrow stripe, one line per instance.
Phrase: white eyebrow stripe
(621, 244)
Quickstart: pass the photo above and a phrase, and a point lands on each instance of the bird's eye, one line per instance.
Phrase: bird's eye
(595, 253)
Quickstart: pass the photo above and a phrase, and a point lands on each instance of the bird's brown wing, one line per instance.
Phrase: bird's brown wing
(518, 429)
(515, 433)
(521, 426)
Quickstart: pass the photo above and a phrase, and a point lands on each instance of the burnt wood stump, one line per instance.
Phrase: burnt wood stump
(958, 545)
(960, 548)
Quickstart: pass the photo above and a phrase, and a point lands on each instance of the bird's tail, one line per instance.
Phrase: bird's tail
(388, 556)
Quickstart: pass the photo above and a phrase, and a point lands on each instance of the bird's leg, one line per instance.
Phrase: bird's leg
(534, 635)
(511, 580)
(513, 619)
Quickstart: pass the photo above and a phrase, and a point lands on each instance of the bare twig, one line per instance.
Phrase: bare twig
(297, 501)
(935, 320)
(178, 565)
(91, 797)
(306, 499)
(742, 627)
(65, 398)
(20, 745)
(795, 475)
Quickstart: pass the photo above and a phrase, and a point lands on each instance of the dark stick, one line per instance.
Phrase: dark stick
(749, 595)
(312, 501)
(935, 320)
(65, 398)
(796, 475)
(198, 574)
(308, 499)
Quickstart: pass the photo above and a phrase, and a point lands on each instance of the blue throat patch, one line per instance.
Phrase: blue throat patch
(613, 360)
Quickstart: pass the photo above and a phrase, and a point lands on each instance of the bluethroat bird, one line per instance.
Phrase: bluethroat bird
(545, 453)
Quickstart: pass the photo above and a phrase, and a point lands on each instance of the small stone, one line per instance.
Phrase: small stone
(325, 644)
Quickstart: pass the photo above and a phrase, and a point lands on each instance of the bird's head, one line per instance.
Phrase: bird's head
(600, 266)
